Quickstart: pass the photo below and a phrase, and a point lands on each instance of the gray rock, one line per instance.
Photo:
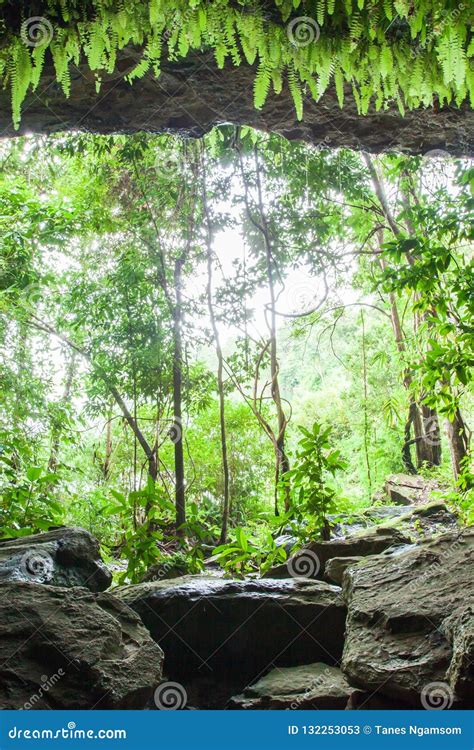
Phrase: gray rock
(67, 648)
(428, 520)
(382, 513)
(459, 630)
(418, 520)
(227, 628)
(311, 686)
(347, 524)
(404, 489)
(311, 559)
(62, 557)
(401, 634)
(336, 567)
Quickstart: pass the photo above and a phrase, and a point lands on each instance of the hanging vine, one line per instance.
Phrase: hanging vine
(411, 52)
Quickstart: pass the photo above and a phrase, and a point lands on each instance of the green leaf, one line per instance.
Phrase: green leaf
(33, 473)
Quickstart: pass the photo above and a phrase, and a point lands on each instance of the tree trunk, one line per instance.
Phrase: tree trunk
(431, 436)
(406, 452)
(424, 420)
(177, 434)
(458, 437)
(365, 390)
(220, 364)
(108, 446)
(282, 464)
(413, 419)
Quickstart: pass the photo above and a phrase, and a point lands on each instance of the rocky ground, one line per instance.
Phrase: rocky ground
(379, 616)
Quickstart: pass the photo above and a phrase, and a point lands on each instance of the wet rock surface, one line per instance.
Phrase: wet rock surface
(62, 557)
(221, 628)
(66, 648)
(336, 567)
(312, 558)
(311, 686)
(417, 521)
(424, 521)
(459, 630)
(401, 633)
(352, 523)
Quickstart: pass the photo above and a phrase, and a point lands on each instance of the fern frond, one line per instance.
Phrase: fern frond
(261, 85)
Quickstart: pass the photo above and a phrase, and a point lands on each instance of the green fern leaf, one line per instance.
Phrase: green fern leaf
(261, 86)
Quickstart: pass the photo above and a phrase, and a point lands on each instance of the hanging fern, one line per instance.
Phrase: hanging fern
(401, 51)
(339, 84)
(21, 73)
(295, 91)
(262, 85)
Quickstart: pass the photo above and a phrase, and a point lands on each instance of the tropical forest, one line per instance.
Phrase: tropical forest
(237, 354)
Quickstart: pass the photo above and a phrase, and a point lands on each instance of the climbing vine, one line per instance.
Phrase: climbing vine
(411, 52)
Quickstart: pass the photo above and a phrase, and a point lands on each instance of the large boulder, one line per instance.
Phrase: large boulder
(62, 557)
(409, 635)
(311, 560)
(345, 524)
(405, 489)
(418, 521)
(239, 628)
(66, 648)
(431, 519)
(310, 686)
(459, 630)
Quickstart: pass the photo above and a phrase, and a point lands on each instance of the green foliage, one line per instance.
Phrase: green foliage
(313, 497)
(440, 276)
(383, 49)
(92, 229)
(142, 534)
(248, 553)
(27, 502)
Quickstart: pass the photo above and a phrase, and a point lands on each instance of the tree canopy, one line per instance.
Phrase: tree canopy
(206, 341)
